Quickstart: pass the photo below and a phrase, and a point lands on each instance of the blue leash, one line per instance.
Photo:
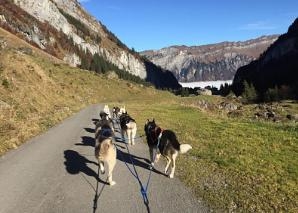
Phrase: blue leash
(135, 174)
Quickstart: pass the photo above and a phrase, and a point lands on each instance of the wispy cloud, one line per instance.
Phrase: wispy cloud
(259, 25)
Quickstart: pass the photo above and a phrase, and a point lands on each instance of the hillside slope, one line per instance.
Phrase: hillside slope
(65, 30)
(209, 62)
(38, 90)
(277, 67)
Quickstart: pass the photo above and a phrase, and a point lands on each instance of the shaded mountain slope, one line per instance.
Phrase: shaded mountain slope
(276, 67)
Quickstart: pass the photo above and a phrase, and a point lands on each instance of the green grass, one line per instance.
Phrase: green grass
(236, 164)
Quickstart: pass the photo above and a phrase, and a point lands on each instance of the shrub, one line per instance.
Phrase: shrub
(184, 92)
(249, 94)
(272, 94)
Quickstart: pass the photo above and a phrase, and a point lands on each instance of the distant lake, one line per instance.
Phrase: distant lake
(203, 84)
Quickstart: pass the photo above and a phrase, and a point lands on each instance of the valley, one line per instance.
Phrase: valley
(233, 154)
(57, 62)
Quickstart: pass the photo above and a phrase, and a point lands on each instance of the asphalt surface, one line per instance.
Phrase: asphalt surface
(57, 172)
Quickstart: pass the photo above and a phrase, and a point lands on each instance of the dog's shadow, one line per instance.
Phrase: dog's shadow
(76, 163)
(95, 120)
(87, 141)
(90, 130)
(136, 161)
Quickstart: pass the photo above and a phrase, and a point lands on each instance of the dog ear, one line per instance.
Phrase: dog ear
(153, 120)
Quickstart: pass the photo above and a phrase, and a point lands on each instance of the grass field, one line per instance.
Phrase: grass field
(237, 164)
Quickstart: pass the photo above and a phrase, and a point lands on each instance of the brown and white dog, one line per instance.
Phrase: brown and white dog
(165, 143)
(129, 126)
(105, 150)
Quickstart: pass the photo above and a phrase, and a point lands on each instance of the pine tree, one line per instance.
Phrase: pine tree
(249, 94)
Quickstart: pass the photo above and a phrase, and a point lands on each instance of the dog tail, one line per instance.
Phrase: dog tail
(185, 148)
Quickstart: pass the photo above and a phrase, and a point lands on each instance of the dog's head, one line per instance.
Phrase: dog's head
(103, 115)
(122, 110)
(116, 110)
(152, 131)
(106, 107)
(149, 126)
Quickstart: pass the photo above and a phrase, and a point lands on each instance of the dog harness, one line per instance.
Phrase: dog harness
(106, 132)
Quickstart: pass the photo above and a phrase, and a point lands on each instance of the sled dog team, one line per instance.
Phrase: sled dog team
(162, 142)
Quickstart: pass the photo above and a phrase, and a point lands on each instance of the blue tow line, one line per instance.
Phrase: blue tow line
(135, 174)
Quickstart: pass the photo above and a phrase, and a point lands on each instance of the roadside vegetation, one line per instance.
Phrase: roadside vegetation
(238, 163)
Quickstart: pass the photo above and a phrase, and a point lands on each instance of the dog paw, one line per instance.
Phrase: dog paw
(102, 171)
(171, 176)
(112, 183)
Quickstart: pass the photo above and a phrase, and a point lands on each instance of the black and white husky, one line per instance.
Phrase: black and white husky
(129, 127)
(105, 150)
(165, 143)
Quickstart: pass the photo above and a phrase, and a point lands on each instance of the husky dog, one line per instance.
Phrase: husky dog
(129, 126)
(105, 150)
(116, 112)
(122, 110)
(165, 143)
(106, 109)
(104, 120)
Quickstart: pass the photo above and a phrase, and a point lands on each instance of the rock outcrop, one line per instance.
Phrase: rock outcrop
(209, 62)
(55, 13)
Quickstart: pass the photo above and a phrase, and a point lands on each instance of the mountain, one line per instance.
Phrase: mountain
(65, 30)
(276, 67)
(209, 62)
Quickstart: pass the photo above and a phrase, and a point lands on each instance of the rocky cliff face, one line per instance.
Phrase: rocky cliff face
(209, 62)
(64, 29)
(50, 11)
(276, 67)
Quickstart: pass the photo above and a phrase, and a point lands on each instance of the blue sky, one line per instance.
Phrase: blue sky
(155, 24)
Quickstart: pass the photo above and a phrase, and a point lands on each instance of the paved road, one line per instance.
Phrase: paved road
(57, 172)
